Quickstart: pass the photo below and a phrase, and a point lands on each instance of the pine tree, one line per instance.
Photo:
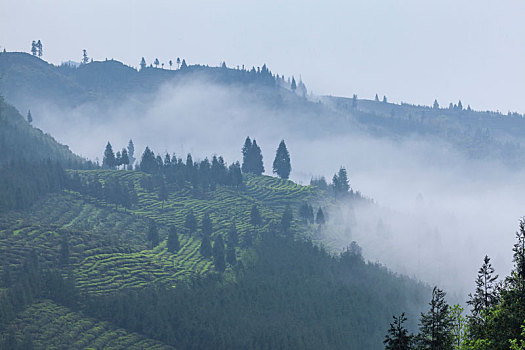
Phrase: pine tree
(517, 279)
(39, 48)
(340, 182)
(148, 162)
(163, 192)
(173, 243)
(142, 63)
(218, 254)
(286, 219)
(190, 222)
(206, 225)
(170, 63)
(109, 161)
(205, 248)
(255, 216)
(85, 58)
(376, 98)
(256, 159)
(320, 218)
(294, 85)
(304, 212)
(436, 325)
(156, 63)
(436, 104)
(178, 62)
(486, 295)
(398, 337)
(183, 65)
(131, 152)
(246, 152)
(29, 117)
(281, 163)
(153, 234)
(124, 160)
(33, 48)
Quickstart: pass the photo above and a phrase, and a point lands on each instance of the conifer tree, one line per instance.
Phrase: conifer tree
(39, 48)
(320, 218)
(257, 159)
(163, 192)
(246, 152)
(124, 158)
(85, 58)
(376, 98)
(340, 182)
(205, 249)
(29, 117)
(109, 161)
(436, 325)
(255, 216)
(218, 254)
(153, 234)
(183, 65)
(190, 222)
(171, 64)
(235, 174)
(304, 212)
(398, 337)
(178, 62)
(131, 152)
(206, 225)
(286, 219)
(148, 163)
(281, 163)
(486, 295)
(173, 243)
(294, 84)
(436, 104)
(231, 257)
(156, 63)
(142, 63)
(33, 48)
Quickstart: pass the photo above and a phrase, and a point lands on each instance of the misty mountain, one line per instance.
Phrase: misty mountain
(20, 141)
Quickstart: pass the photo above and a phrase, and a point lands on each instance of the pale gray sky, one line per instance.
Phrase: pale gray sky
(412, 50)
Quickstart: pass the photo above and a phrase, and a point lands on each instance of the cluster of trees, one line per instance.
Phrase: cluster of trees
(36, 48)
(180, 64)
(306, 212)
(339, 186)
(21, 182)
(122, 158)
(252, 159)
(496, 319)
(113, 190)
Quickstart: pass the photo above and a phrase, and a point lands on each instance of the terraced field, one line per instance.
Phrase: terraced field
(108, 250)
(57, 327)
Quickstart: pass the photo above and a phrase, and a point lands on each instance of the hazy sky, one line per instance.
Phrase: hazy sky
(412, 50)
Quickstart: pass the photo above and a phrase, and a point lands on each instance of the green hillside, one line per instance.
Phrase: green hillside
(103, 253)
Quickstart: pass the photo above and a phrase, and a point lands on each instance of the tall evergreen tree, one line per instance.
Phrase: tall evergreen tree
(398, 337)
(486, 295)
(340, 182)
(246, 152)
(142, 63)
(190, 222)
(255, 216)
(163, 192)
(286, 219)
(131, 152)
(320, 218)
(156, 63)
(109, 161)
(293, 86)
(39, 48)
(436, 104)
(33, 48)
(29, 117)
(173, 243)
(206, 225)
(281, 163)
(153, 234)
(85, 58)
(436, 326)
(148, 163)
(219, 259)
(183, 65)
(124, 158)
(257, 159)
(205, 248)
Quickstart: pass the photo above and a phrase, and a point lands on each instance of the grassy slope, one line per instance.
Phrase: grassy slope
(56, 327)
(108, 247)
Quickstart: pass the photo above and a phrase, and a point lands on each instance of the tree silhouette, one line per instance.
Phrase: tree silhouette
(29, 117)
(156, 63)
(33, 48)
(293, 86)
(173, 243)
(178, 62)
(183, 65)
(398, 337)
(170, 63)
(85, 58)
(142, 63)
(281, 163)
(109, 161)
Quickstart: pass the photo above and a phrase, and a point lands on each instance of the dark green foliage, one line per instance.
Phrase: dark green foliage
(148, 163)
(231, 257)
(293, 86)
(64, 252)
(233, 236)
(190, 222)
(255, 216)
(286, 219)
(206, 225)
(320, 218)
(29, 117)
(109, 160)
(205, 248)
(319, 183)
(173, 243)
(219, 254)
(436, 325)
(252, 160)
(131, 152)
(340, 183)
(485, 297)
(398, 337)
(163, 192)
(294, 296)
(281, 163)
(153, 234)
(22, 183)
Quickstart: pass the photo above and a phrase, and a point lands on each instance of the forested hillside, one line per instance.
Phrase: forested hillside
(189, 254)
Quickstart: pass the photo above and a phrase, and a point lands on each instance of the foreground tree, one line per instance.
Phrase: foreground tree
(173, 243)
(436, 326)
(398, 337)
(281, 163)
(252, 159)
